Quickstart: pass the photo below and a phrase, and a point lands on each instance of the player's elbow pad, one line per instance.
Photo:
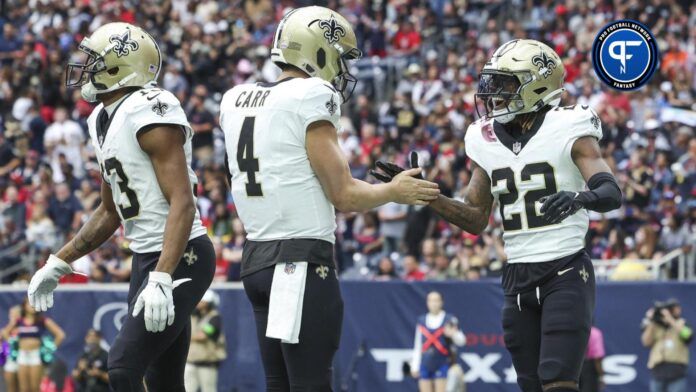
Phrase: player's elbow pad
(604, 194)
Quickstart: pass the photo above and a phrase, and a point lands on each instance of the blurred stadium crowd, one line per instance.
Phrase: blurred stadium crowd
(418, 80)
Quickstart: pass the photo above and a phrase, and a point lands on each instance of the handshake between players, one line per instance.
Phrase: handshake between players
(409, 182)
(408, 186)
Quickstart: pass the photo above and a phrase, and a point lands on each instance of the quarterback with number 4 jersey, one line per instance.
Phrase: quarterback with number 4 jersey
(535, 160)
(288, 174)
(142, 141)
(277, 194)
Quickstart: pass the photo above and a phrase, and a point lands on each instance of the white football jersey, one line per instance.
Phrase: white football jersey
(128, 170)
(277, 194)
(523, 171)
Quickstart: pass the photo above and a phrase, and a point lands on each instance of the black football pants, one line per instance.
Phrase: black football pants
(160, 357)
(307, 365)
(547, 329)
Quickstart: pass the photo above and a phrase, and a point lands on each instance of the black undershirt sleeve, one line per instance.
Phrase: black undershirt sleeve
(604, 194)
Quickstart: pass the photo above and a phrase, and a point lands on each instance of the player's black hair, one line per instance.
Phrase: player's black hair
(517, 128)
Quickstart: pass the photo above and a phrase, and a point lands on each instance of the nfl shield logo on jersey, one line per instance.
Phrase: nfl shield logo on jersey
(516, 147)
(289, 268)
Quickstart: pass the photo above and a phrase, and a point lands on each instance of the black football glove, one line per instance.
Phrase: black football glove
(390, 170)
(559, 206)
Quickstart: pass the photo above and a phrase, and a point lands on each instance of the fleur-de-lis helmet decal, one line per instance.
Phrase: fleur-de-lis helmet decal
(123, 43)
(545, 63)
(320, 42)
(118, 55)
(332, 30)
(522, 76)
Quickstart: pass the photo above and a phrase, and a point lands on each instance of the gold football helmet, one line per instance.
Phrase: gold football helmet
(523, 76)
(118, 55)
(320, 42)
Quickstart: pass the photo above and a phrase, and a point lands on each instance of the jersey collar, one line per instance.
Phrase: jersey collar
(516, 144)
(277, 82)
(110, 109)
(104, 119)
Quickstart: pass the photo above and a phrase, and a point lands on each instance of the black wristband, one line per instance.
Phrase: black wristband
(604, 194)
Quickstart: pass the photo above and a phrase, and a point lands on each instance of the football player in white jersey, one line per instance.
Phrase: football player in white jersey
(534, 159)
(288, 173)
(142, 141)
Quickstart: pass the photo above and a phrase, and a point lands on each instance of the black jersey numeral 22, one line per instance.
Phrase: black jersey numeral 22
(245, 157)
(530, 198)
(133, 209)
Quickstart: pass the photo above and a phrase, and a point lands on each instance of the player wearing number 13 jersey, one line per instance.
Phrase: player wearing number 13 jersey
(288, 173)
(535, 160)
(128, 170)
(142, 142)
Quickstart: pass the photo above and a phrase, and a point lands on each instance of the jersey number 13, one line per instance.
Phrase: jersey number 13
(132, 208)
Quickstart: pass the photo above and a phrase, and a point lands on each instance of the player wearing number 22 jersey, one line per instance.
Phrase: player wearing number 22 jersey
(535, 160)
(288, 174)
(142, 141)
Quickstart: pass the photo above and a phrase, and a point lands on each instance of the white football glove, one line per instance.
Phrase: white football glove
(158, 301)
(44, 281)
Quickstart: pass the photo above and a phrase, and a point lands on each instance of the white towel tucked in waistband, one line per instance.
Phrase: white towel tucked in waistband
(285, 304)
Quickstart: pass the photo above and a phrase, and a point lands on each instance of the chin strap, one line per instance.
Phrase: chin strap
(89, 92)
(505, 118)
(553, 99)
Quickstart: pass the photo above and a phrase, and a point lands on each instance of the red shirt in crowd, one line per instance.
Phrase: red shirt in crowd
(406, 40)
(369, 144)
(618, 101)
(415, 275)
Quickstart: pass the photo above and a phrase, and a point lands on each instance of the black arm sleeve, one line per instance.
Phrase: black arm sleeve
(604, 194)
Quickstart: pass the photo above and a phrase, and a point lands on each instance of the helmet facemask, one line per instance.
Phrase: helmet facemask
(345, 82)
(500, 93)
(117, 55)
(321, 43)
(81, 73)
(523, 76)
